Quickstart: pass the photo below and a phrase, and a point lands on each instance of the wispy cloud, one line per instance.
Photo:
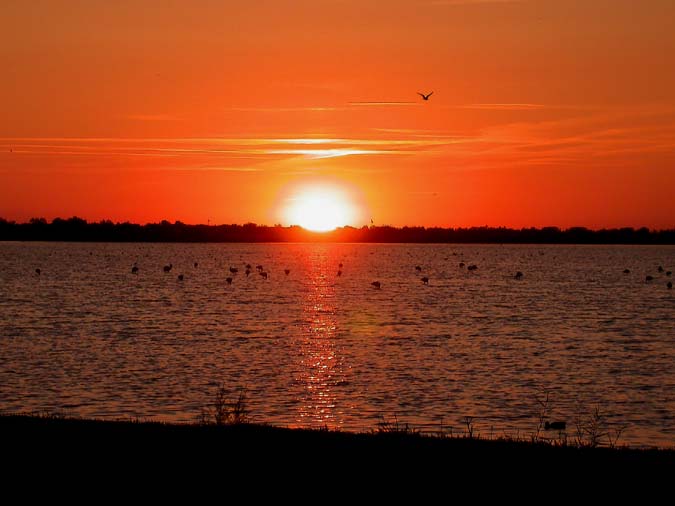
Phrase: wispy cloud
(319, 108)
(207, 153)
(307, 140)
(216, 168)
(333, 153)
(609, 137)
(503, 107)
(585, 137)
(383, 104)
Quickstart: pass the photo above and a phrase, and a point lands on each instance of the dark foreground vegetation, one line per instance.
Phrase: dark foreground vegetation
(77, 229)
(95, 441)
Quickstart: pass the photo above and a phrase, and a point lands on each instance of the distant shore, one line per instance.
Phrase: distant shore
(50, 435)
(79, 230)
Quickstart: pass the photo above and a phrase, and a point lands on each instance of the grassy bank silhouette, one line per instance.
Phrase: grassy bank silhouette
(49, 435)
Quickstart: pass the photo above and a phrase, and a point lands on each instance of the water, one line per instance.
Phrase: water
(87, 337)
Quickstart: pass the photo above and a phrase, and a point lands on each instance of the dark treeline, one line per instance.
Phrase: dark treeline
(77, 229)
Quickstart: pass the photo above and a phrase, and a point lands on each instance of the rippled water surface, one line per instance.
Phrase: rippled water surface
(88, 337)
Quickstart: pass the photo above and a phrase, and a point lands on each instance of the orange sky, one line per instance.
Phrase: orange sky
(545, 112)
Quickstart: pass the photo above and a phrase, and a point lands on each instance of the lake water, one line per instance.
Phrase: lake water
(88, 337)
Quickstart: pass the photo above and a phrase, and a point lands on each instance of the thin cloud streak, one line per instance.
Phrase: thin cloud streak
(332, 153)
(503, 107)
(202, 152)
(285, 109)
(211, 145)
(215, 169)
(383, 104)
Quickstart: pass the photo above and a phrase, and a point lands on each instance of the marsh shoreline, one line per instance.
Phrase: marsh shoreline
(43, 436)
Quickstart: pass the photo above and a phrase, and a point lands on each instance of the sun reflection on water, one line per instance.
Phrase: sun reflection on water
(321, 366)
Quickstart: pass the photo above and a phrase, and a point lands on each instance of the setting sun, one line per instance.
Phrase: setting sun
(320, 209)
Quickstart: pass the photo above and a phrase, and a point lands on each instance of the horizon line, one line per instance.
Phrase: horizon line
(164, 222)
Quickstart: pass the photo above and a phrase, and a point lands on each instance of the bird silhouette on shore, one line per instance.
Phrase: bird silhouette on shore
(376, 284)
(425, 97)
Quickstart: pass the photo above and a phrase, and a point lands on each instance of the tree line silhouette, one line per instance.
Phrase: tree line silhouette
(77, 229)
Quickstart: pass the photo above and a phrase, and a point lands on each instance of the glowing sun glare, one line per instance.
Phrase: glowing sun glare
(320, 209)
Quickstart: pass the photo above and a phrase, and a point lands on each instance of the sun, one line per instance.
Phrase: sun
(320, 208)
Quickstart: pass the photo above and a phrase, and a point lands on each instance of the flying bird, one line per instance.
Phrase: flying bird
(425, 97)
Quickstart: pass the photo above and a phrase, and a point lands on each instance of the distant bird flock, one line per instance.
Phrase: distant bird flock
(135, 270)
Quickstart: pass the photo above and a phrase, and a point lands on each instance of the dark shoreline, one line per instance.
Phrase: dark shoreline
(79, 230)
(50, 435)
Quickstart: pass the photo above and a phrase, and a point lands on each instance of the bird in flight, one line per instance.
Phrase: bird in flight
(425, 97)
